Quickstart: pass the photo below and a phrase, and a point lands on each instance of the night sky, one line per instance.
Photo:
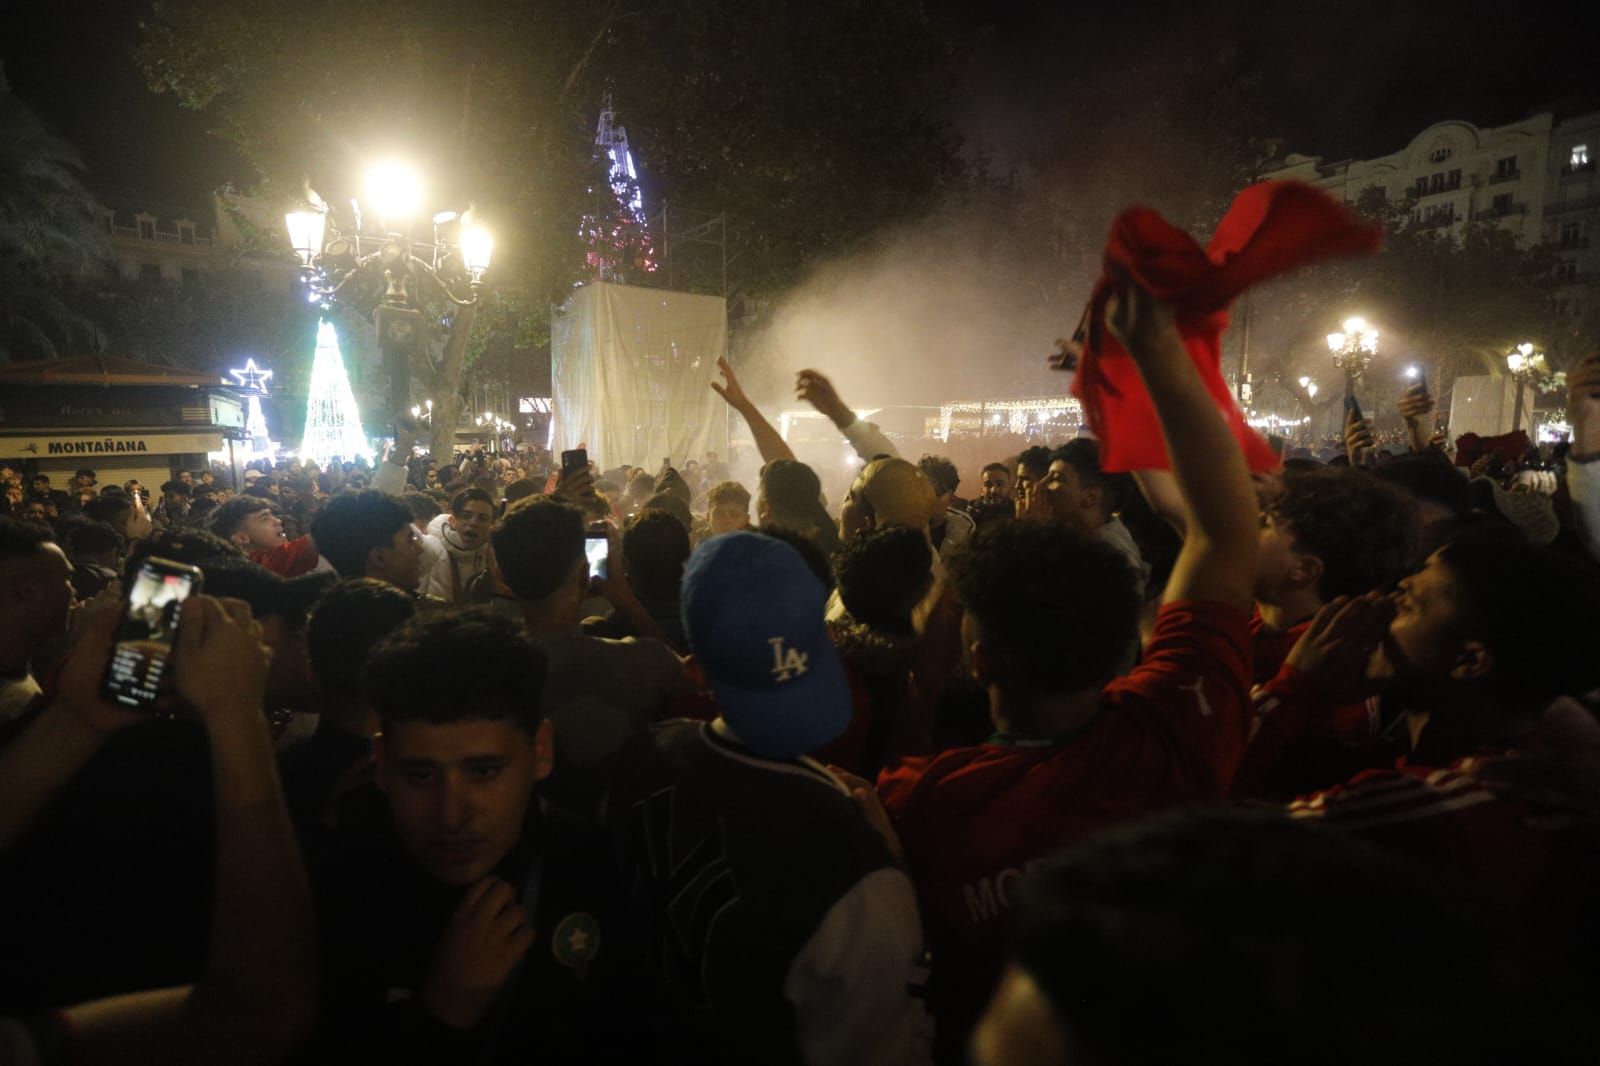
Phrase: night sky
(1342, 79)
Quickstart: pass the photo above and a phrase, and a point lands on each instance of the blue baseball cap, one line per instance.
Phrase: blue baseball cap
(753, 613)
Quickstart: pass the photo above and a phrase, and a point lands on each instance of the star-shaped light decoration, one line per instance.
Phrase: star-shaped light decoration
(251, 378)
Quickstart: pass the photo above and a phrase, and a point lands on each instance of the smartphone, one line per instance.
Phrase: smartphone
(1351, 405)
(666, 464)
(573, 461)
(148, 632)
(597, 548)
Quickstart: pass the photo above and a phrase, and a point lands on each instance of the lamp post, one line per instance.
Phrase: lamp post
(330, 257)
(1522, 362)
(1353, 351)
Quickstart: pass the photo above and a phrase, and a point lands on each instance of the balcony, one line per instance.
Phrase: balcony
(1581, 204)
(1438, 221)
(1508, 211)
(1497, 178)
(1567, 169)
(1576, 244)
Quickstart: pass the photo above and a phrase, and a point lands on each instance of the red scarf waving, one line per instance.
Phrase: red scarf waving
(1271, 228)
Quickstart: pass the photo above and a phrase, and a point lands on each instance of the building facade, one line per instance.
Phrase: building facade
(1535, 177)
(156, 242)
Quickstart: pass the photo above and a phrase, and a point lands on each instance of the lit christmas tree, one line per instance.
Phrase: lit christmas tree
(333, 422)
(617, 233)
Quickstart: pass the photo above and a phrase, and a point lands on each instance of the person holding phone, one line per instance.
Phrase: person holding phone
(253, 997)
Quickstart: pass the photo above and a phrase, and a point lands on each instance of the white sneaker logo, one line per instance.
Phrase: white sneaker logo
(786, 663)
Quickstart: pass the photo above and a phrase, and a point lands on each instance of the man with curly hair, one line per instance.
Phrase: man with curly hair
(1050, 614)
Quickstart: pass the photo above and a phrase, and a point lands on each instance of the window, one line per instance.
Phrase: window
(1571, 234)
(1502, 204)
(186, 234)
(1452, 180)
(1439, 155)
(1580, 156)
(150, 273)
(1567, 271)
(1436, 182)
(147, 229)
(1505, 168)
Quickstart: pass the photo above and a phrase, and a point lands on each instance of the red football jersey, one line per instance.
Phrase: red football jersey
(972, 819)
(1536, 857)
(289, 559)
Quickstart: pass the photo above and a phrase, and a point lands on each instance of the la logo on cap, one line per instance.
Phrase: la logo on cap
(788, 663)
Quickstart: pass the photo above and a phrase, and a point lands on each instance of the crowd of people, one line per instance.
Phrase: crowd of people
(477, 759)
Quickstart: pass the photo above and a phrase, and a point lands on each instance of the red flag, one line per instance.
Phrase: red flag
(1270, 229)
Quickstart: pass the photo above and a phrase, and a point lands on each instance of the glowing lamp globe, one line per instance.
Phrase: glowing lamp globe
(394, 189)
(476, 249)
(305, 233)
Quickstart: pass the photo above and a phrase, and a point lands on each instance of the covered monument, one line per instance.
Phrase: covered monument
(631, 371)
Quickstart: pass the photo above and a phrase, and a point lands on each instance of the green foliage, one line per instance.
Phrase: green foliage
(49, 231)
(213, 325)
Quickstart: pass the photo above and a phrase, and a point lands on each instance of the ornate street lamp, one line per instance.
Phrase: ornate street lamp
(1522, 362)
(330, 260)
(1353, 350)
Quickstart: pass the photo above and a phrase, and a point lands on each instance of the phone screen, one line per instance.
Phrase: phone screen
(149, 628)
(573, 461)
(597, 547)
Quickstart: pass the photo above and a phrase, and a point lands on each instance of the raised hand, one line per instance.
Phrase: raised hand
(730, 389)
(78, 684)
(486, 936)
(220, 664)
(814, 388)
(576, 487)
(1415, 403)
(1340, 640)
(1358, 442)
(1140, 323)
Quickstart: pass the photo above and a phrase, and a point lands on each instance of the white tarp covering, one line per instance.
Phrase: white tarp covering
(1484, 404)
(632, 370)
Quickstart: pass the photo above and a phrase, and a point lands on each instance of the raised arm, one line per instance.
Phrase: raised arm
(768, 442)
(867, 439)
(257, 997)
(1218, 558)
(1415, 407)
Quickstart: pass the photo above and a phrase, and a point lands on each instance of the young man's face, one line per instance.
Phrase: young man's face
(208, 478)
(1279, 565)
(261, 531)
(1070, 503)
(460, 791)
(186, 477)
(1426, 637)
(996, 486)
(35, 511)
(472, 523)
(400, 563)
(727, 517)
